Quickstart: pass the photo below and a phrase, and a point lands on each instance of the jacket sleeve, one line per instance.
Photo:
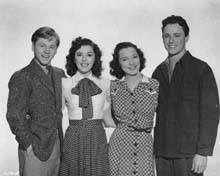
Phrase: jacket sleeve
(209, 113)
(17, 109)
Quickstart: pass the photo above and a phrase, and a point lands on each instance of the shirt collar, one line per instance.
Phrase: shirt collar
(144, 79)
(78, 76)
(166, 62)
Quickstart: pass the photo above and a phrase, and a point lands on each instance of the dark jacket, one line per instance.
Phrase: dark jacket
(188, 111)
(31, 92)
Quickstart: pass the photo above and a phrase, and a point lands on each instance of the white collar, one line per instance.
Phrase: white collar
(78, 76)
(144, 79)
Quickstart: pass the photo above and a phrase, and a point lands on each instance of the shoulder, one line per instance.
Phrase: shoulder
(198, 65)
(158, 69)
(59, 71)
(20, 75)
(67, 82)
(193, 61)
(103, 82)
(197, 61)
(162, 64)
(115, 84)
(154, 82)
(151, 81)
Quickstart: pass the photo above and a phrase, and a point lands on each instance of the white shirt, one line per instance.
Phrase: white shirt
(100, 102)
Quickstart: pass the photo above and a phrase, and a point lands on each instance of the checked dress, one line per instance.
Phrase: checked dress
(131, 143)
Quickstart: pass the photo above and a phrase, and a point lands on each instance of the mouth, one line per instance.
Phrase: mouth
(45, 57)
(172, 46)
(132, 68)
(84, 65)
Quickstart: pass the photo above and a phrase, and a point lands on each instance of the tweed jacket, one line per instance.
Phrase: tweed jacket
(31, 92)
(188, 111)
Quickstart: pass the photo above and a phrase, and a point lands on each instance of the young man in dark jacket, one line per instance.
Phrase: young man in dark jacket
(34, 110)
(188, 110)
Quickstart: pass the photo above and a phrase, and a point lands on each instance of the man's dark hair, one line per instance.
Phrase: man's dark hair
(176, 19)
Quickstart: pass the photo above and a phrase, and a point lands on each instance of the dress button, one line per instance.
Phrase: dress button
(132, 94)
(132, 102)
(135, 144)
(135, 163)
(135, 153)
(133, 111)
(134, 172)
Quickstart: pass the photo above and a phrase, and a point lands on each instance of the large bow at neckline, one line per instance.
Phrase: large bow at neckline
(86, 88)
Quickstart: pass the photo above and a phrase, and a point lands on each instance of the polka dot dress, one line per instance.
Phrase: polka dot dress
(131, 144)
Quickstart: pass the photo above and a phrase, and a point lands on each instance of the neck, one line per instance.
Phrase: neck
(44, 67)
(85, 74)
(177, 57)
(133, 80)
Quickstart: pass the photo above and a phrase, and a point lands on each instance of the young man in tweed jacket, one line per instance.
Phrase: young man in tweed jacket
(34, 110)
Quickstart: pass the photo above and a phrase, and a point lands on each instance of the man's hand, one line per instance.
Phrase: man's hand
(199, 163)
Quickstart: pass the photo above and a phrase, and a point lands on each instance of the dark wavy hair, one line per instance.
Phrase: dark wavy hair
(176, 19)
(115, 67)
(46, 33)
(71, 67)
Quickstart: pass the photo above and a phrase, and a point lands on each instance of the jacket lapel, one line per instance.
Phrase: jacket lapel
(38, 72)
(57, 86)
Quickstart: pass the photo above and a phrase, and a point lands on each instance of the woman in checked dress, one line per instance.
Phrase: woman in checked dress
(84, 93)
(134, 101)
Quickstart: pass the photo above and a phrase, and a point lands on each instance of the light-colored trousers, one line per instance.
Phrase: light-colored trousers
(30, 165)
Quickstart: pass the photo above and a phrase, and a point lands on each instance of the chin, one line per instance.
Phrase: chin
(173, 53)
(133, 74)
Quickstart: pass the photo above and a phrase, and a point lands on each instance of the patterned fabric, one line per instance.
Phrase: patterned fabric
(85, 149)
(85, 89)
(31, 92)
(131, 146)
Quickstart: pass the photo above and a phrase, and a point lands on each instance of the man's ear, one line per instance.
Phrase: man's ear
(186, 39)
(32, 47)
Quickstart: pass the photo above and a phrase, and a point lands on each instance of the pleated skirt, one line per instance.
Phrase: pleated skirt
(85, 150)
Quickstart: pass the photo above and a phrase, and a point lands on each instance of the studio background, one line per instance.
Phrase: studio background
(106, 22)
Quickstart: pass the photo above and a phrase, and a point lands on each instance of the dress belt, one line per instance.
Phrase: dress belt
(128, 127)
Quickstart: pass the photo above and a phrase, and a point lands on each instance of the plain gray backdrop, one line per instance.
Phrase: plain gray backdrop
(107, 22)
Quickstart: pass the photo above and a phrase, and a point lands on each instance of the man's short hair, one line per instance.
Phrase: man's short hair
(46, 33)
(176, 19)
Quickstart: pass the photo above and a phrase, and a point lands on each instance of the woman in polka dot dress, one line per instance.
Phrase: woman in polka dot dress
(134, 101)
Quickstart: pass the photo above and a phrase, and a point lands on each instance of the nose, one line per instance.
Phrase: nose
(131, 61)
(84, 58)
(171, 39)
(47, 50)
